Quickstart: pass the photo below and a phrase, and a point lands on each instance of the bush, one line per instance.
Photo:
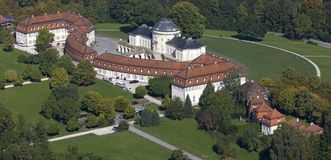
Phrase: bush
(121, 103)
(53, 129)
(72, 125)
(10, 75)
(33, 59)
(18, 81)
(35, 75)
(2, 85)
(92, 121)
(102, 121)
(150, 116)
(123, 126)
(21, 59)
(140, 92)
(129, 112)
(8, 48)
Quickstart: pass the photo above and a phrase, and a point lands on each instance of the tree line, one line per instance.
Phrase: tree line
(297, 19)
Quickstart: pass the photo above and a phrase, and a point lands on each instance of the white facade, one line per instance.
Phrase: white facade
(121, 75)
(193, 92)
(140, 41)
(60, 36)
(189, 54)
(161, 38)
(27, 40)
(266, 130)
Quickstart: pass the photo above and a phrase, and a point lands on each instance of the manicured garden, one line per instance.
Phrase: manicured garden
(8, 60)
(259, 61)
(123, 145)
(185, 135)
(28, 99)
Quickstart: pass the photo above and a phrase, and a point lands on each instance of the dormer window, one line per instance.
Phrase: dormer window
(197, 81)
(190, 82)
(155, 72)
(148, 71)
(141, 70)
(134, 70)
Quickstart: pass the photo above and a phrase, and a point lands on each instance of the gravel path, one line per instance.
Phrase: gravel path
(160, 142)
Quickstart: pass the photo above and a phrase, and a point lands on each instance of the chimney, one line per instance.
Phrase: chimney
(297, 119)
(45, 14)
(311, 123)
(257, 96)
(32, 15)
(58, 11)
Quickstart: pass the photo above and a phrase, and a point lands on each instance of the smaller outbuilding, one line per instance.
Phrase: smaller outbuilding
(6, 21)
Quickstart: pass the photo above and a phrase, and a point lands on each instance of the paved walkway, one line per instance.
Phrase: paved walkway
(99, 132)
(160, 142)
(318, 71)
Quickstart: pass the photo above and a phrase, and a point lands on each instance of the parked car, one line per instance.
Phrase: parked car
(120, 84)
(133, 81)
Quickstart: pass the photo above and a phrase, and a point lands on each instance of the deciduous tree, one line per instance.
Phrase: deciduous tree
(84, 74)
(60, 78)
(44, 39)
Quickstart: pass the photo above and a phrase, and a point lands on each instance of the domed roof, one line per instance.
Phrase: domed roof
(166, 25)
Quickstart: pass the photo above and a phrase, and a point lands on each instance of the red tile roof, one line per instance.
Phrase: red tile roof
(314, 129)
(2, 18)
(274, 114)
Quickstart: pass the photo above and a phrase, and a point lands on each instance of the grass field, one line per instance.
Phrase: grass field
(123, 146)
(184, 134)
(259, 61)
(8, 60)
(28, 99)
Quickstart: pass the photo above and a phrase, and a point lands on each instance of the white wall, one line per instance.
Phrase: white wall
(29, 39)
(194, 92)
(266, 130)
(141, 41)
(121, 75)
(91, 38)
(160, 39)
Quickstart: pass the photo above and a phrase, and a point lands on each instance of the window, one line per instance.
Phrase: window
(155, 72)
(148, 71)
(193, 98)
(141, 70)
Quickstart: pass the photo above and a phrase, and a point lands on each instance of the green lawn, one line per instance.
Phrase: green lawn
(8, 60)
(124, 146)
(112, 30)
(27, 99)
(184, 134)
(259, 61)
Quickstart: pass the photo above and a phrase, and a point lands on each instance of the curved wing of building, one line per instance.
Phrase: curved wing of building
(72, 30)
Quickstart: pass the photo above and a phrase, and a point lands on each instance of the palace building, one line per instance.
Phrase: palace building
(164, 38)
(187, 62)
(70, 29)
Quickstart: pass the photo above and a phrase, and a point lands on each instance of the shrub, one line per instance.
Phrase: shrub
(33, 59)
(10, 75)
(2, 85)
(35, 75)
(21, 59)
(150, 116)
(123, 126)
(92, 121)
(53, 129)
(140, 92)
(72, 125)
(129, 112)
(18, 81)
(102, 121)
(121, 103)
(8, 48)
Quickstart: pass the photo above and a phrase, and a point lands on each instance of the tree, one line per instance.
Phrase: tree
(178, 155)
(187, 16)
(209, 89)
(6, 120)
(72, 125)
(66, 109)
(140, 92)
(325, 145)
(121, 103)
(33, 74)
(302, 26)
(223, 146)
(129, 112)
(84, 74)
(66, 62)
(150, 116)
(249, 139)
(91, 102)
(70, 91)
(123, 126)
(10, 75)
(176, 110)
(160, 86)
(53, 129)
(189, 112)
(97, 11)
(18, 81)
(48, 61)
(290, 143)
(92, 121)
(7, 39)
(44, 39)
(60, 78)
(251, 28)
(166, 101)
(107, 108)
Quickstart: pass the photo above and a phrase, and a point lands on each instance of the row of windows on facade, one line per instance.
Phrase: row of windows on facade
(47, 26)
(197, 81)
(134, 69)
(128, 76)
